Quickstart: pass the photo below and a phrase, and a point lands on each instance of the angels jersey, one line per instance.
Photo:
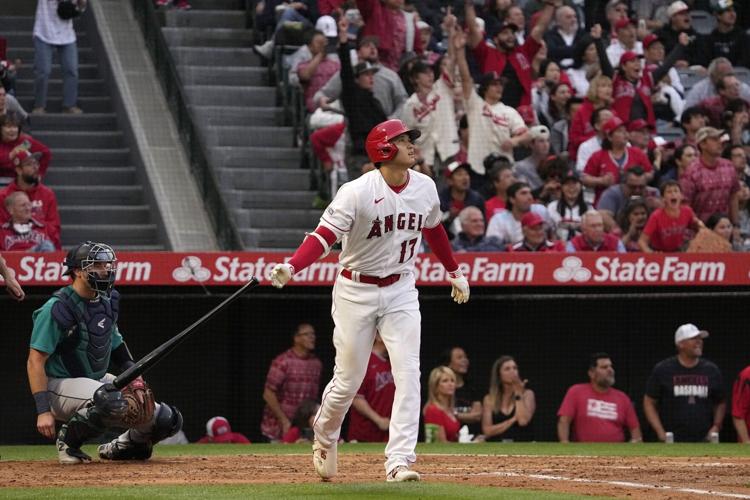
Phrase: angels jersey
(489, 127)
(381, 229)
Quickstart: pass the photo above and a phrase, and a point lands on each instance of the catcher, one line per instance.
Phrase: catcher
(74, 341)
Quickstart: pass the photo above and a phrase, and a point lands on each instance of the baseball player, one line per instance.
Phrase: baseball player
(11, 284)
(74, 339)
(380, 218)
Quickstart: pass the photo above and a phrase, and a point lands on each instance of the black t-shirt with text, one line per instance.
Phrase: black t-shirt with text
(686, 397)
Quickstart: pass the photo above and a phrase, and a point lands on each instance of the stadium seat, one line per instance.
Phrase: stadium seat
(703, 22)
(742, 73)
(689, 77)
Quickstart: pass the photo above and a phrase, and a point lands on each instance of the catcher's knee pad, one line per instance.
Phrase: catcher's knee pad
(80, 428)
(168, 422)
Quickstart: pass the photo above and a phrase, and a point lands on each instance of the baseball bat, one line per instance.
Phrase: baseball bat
(150, 359)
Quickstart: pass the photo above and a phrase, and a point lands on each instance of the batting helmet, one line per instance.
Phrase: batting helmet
(84, 256)
(378, 143)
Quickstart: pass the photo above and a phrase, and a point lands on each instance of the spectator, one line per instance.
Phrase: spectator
(736, 154)
(632, 221)
(388, 89)
(21, 232)
(218, 431)
(551, 171)
(294, 376)
(370, 415)
(706, 88)
(639, 134)
(463, 140)
(493, 126)
(562, 40)
(11, 283)
(710, 183)
(298, 15)
(626, 41)
(507, 59)
(606, 165)
(736, 121)
(471, 238)
(556, 104)
(598, 97)
(501, 176)
(589, 60)
(666, 229)
(301, 430)
(52, 32)
(727, 39)
(9, 104)
(506, 225)
(534, 237)
(509, 407)
(440, 422)
(741, 405)
(597, 412)
(616, 197)
(742, 231)
(43, 199)
(567, 212)
(594, 143)
(397, 32)
(728, 88)
(468, 404)
(527, 170)
(654, 12)
(11, 137)
(314, 71)
(692, 120)
(514, 15)
(685, 393)
(457, 195)
(429, 54)
(614, 11)
(178, 4)
(720, 224)
(667, 88)
(593, 238)
(679, 23)
(559, 134)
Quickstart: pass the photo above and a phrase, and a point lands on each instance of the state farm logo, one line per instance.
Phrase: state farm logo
(572, 269)
(191, 268)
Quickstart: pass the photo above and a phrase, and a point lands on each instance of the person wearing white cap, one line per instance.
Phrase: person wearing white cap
(679, 22)
(685, 393)
(527, 170)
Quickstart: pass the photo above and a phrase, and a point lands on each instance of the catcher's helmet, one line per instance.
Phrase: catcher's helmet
(85, 255)
(378, 143)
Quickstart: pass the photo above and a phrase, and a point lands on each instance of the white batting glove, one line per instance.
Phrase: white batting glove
(460, 284)
(281, 274)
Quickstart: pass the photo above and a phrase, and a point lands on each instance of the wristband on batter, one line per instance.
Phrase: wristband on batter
(41, 399)
(455, 274)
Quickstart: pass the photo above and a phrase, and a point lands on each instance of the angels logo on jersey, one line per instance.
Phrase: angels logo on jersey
(409, 222)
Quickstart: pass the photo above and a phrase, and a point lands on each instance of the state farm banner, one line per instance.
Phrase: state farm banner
(482, 269)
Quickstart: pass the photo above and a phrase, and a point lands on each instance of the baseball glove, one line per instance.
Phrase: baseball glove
(140, 400)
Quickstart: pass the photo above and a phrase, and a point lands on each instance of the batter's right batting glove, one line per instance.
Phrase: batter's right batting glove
(281, 274)
(460, 284)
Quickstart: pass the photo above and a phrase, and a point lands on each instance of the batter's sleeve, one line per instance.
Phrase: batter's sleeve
(434, 216)
(340, 214)
(46, 333)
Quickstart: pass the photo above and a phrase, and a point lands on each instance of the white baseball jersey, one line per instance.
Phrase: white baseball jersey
(435, 117)
(381, 230)
(507, 229)
(489, 127)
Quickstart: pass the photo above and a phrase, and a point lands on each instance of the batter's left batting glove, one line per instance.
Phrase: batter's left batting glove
(460, 284)
(281, 274)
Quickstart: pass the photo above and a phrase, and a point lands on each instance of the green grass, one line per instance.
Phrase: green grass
(47, 452)
(360, 491)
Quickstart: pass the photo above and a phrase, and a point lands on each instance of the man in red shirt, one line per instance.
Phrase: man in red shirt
(710, 183)
(370, 416)
(593, 238)
(597, 412)
(43, 200)
(534, 236)
(741, 405)
(508, 59)
(728, 87)
(666, 229)
(22, 233)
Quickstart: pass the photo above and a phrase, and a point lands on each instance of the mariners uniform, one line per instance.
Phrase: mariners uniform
(381, 229)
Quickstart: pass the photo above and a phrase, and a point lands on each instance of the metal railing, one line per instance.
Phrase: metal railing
(151, 21)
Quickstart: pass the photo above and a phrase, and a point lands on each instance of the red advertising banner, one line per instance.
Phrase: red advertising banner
(482, 269)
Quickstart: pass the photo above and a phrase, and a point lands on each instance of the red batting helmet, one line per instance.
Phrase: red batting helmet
(378, 143)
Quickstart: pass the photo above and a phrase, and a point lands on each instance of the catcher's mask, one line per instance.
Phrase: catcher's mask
(85, 257)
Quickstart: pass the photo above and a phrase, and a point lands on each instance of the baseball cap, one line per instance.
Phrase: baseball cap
(363, 39)
(571, 174)
(480, 24)
(719, 6)
(327, 25)
(628, 56)
(650, 39)
(531, 219)
(453, 166)
(688, 331)
(421, 25)
(638, 124)
(706, 132)
(612, 124)
(676, 8)
(364, 67)
(217, 426)
(20, 154)
(624, 22)
(539, 132)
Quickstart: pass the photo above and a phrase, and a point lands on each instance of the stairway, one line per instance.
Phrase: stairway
(92, 171)
(234, 106)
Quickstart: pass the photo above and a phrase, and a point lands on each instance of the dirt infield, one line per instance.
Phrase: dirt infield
(631, 477)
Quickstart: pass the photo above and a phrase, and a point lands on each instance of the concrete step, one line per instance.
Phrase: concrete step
(104, 214)
(259, 218)
(69, 157)
(87, 139)
(270, 137)
(85, 71)
(99, 195)
(86, 121)
(85, 54)
(211, 116)
(250, 157)
(86, 87)
(226, 76)
(25, 38)
(199, 56)
(112, 234)
(264, 178)
(270, 199)
(217, 4)
(16, 23)
(231, 19)
(139, 248)
(98, 104)
(208, 37)
(112, 176)
(219, 95)
(281, 239)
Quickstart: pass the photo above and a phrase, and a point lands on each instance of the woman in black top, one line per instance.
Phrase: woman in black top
(509, 406)
(468, 406)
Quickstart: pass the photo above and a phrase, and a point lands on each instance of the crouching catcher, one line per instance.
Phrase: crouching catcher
(74, 341)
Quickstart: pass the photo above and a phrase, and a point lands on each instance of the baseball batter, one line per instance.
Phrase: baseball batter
(74, 339)
(380, 218)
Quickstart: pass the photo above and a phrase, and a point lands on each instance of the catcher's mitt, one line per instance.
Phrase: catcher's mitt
(140, 403)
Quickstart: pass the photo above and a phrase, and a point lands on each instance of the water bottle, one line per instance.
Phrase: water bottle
(714, 437)
(669, 438)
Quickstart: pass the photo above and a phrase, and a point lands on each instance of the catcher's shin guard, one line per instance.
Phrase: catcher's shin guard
(168, 422)
(123, 448)
(73, 434)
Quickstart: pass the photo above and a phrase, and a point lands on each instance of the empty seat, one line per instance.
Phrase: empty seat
(703, 22)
